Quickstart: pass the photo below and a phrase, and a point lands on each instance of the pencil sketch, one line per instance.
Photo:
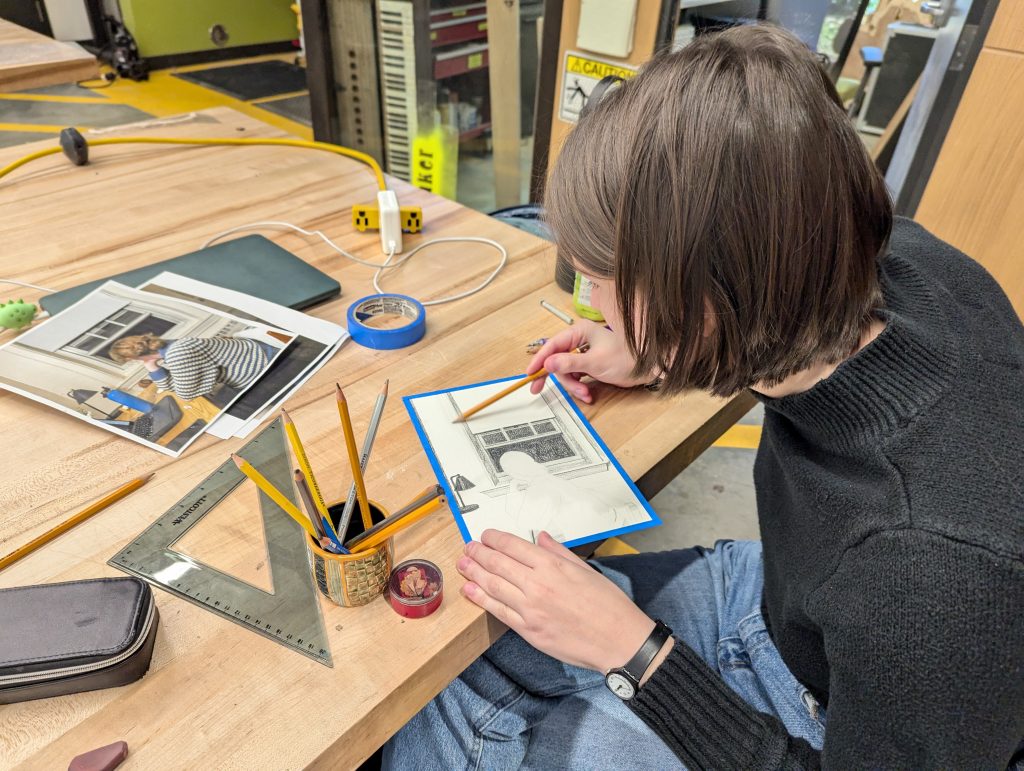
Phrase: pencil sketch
(526, 464)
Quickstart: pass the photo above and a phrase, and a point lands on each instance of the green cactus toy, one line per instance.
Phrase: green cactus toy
(15, 314)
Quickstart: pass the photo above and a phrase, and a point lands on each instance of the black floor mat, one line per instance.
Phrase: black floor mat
(294, 107)
(254, 80)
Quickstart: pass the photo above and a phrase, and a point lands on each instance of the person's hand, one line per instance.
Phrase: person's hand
(607, 359)
(151, 362)
(554, 600)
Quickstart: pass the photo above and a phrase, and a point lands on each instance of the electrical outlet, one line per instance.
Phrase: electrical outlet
(411, 218)
(366, 217)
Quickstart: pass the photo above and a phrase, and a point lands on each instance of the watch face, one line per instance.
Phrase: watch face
(620, 686)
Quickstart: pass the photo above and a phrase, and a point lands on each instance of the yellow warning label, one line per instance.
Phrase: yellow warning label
(593, 68)
(579, 77)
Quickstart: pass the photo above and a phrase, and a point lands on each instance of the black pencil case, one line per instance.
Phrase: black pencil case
(75, 636)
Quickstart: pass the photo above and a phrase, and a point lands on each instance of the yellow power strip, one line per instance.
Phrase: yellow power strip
(367, 217)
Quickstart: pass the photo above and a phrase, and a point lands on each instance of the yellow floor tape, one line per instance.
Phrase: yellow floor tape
(614, 547)
(164, 95)
(740, 436)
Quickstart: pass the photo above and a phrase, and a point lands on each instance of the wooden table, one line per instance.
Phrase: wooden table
(31, 60)
(217, 695)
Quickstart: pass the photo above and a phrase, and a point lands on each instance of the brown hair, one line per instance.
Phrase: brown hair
(725, 181)
(132, 346)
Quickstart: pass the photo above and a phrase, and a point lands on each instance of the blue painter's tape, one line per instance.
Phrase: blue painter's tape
(368, 308)
(435, 464)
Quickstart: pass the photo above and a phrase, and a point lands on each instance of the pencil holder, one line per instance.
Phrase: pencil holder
(351, 580)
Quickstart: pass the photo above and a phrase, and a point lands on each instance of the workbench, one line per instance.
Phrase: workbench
(217, 695)
(31, 60)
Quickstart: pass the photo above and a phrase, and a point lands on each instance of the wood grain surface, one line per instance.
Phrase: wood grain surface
(217, 695)
(31, 60)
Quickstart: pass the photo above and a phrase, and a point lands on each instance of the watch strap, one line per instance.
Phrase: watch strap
(637, 666)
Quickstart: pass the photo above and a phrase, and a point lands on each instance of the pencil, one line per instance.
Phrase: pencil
(382, 531)
(428, 495)
(78, 518)
(556, 312)
(306, 499)
(364, 460)
(273, 493)
(322, 525)
(506, 391)
(434, 491)
(307, 470)
(353, 458)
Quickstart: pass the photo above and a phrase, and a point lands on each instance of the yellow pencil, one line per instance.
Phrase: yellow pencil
(377, 537)
(78, 518)
(353, 458)
(506, 391)
(274, 494)
(429, 496)
(307, 470)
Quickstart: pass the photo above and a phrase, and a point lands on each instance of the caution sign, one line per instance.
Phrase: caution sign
(579, 76)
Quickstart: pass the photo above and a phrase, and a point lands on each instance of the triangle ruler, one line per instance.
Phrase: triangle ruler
(289, 614)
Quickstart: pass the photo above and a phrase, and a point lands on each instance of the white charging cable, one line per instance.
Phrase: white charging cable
(387, 264)
(26, 285)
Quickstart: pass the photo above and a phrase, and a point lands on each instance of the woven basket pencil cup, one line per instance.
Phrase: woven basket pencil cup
(351, 580)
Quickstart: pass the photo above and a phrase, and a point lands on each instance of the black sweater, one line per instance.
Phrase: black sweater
(891, 505)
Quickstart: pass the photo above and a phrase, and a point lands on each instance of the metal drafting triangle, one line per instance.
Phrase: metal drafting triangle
(290, 614)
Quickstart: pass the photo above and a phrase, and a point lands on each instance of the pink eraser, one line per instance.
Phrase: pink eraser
(102, 759)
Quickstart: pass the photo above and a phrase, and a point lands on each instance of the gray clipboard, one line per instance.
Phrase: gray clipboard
(252, 264)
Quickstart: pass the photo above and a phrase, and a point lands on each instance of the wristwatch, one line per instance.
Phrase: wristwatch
(624, 681)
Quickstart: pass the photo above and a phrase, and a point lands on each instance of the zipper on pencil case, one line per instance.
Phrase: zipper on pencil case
(84, 668)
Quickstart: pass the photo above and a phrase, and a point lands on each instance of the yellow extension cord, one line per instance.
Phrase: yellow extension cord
(337, 149)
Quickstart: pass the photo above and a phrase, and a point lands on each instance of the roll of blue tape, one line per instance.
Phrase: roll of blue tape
(361, 315)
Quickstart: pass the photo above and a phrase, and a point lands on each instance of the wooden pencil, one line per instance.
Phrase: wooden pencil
(506, 391)
(306, 499)
(323, 526)
(353, 458)
(273, 493)
(382, 531)
(428, 494)
(307, 471)
(414, 507)
(84, 514)
(364, 458)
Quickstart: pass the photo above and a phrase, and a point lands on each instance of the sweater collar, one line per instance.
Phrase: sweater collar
(892, 379)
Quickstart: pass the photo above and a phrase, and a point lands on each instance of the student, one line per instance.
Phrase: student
(740, 237)
(195, 366)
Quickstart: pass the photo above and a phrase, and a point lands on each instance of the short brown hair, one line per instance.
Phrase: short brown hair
(130, 347)
(725, 180)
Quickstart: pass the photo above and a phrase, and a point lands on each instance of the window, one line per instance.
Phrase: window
(541, 440)
(96, 342)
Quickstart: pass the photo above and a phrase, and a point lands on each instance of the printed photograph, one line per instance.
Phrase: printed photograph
(314, 341)
(526, 464)
(155, 369)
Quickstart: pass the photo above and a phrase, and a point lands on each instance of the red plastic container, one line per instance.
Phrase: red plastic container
(415, 588)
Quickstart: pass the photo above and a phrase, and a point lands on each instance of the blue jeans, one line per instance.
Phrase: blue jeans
(515, 707)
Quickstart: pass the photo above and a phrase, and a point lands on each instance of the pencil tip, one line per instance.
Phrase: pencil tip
(147, 477)
(340, 393)
(297, 474)
(384, 390)
(237, 459)
(458, 419)
(284, 414)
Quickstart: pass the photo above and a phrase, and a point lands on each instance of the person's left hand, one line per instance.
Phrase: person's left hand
(554, 600)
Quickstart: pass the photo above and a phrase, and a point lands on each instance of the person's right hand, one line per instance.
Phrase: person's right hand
(608, 360)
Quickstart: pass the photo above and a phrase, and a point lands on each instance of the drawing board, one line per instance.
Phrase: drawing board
(526, 464)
